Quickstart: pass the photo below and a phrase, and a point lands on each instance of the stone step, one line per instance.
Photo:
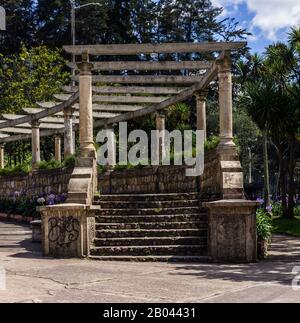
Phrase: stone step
(152, 225)
(149, 211)
(151, 218)
(151, 233)
(147, 197)
(147, 204)
(151, 241)
(167, 258)
(175, 250)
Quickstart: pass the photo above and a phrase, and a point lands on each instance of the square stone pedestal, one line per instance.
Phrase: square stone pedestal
(232, 231)
(67, 230)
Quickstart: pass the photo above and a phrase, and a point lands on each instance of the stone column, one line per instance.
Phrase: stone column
(161, 126)
(57, 140)
(201, 112)
(2, 162)
(74, 136)
(86, 139)
(35, 142)
(225, 102)
(68, 134)
(111, 154)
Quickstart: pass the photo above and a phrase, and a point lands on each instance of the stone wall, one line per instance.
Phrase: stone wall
(162, 179)
(43, 181)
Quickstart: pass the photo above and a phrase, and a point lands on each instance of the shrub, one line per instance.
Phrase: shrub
(19, 204)
(52, 164)
(277, 209)
(297, 210)
(19, 169)
(211, 143)
(264, 225)
(69, 161)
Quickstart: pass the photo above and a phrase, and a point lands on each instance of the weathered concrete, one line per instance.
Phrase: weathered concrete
(57, 143)
(67, 230)
(2, 164)
(68, 133)
(87, 149)
(225, 102)
(35, 143)
(83, 183)
(201, 112)
(32, 278)
(232, 231)
(160, 122)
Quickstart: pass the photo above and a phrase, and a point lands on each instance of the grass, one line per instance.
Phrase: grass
(287, 226)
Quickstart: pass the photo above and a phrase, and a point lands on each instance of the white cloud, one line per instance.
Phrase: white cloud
(270, 16)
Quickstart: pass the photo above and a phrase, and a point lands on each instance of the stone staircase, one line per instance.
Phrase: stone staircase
(151, 227)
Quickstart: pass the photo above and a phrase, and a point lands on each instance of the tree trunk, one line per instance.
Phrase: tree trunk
(267, 201)
(291, 187)
(282, 180)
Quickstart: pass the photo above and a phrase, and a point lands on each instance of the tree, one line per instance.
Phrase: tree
(283, 62)
(28, 77)
(20, 25)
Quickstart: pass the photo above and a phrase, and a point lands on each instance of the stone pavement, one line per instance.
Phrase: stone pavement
(32, 278)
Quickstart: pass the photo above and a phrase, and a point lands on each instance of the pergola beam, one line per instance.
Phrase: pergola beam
(147, 66)
(143, 79)
(136, 49)
(127, 99)
(129, 90)
(45, 113)
(185, 94)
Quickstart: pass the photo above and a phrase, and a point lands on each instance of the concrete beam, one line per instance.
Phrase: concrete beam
(44, 113)
(147, 66)
(129, 90)
(136, 49)
(143, 79)
(128, 99)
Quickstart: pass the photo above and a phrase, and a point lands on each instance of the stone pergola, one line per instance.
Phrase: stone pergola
(110, 92)
(115, 90)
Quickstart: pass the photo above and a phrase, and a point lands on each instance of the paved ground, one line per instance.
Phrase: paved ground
(32, 278)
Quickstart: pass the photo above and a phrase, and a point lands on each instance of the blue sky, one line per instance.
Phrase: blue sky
(268, 20)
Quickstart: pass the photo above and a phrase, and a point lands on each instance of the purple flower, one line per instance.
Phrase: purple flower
(269, 208)
(261, 201)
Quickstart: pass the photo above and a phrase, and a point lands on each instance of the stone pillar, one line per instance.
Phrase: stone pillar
(68, 134)
(111, 156)
(232, 231)
(2, 162)
(201, 112)
(161, 126)
(86, 139)
(57, 140)
(74, 136)
(35, 142)
(225, 102)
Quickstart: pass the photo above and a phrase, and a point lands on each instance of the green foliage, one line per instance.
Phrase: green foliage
(211, 143)
(52, 164)
(21, 169)
(115, 22)
(263, 225)
(277, 209)
(287, 226)
(69, 161)
(30, 76)
(297, 211)
(19, 206)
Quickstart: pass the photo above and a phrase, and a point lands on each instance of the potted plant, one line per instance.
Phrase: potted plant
(264, 233)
